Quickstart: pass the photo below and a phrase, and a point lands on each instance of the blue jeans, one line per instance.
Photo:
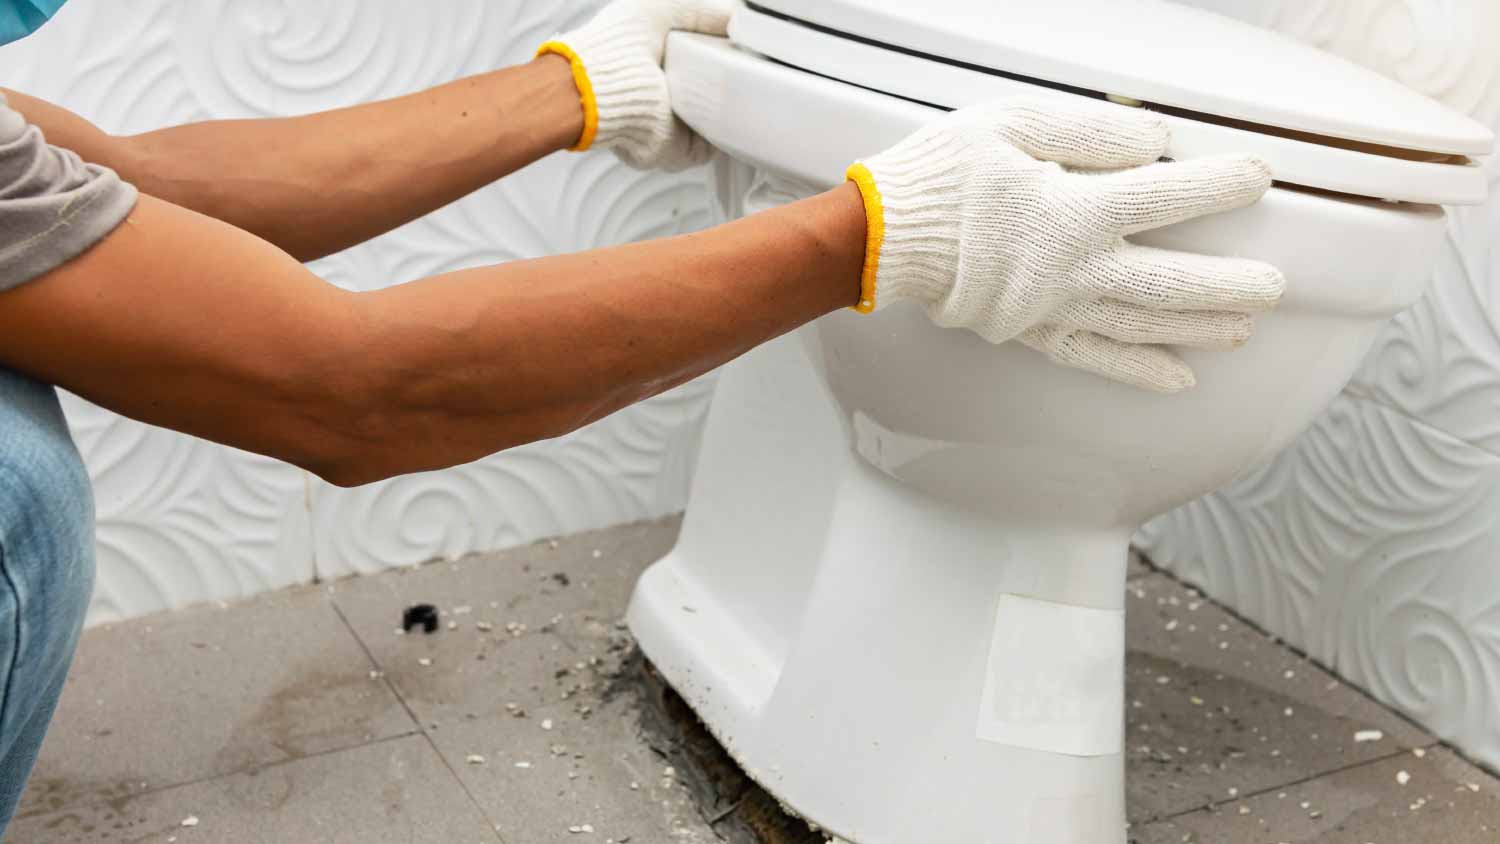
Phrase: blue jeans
(46, 571)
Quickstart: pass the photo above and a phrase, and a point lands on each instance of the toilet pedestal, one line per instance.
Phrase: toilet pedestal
(895, 668)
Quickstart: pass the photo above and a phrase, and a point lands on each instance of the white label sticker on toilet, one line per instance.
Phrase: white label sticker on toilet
(1055, 679)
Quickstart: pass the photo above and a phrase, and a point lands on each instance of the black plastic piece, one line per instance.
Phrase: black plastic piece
(424, 614)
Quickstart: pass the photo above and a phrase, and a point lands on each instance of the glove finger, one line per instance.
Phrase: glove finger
(710, 17)
(1161, 278)
(1132, 323)
(1078, 132)
(1145, 366)
(679, 150)
(689, 149)
(1169, 192)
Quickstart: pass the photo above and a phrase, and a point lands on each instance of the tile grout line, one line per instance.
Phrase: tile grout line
(1209, 807)
(421, 728)
(1281, 642)
(208, 778)
(312, 529)
(463, 786)
(1359, 393)
(1299, 652)
(370, 655)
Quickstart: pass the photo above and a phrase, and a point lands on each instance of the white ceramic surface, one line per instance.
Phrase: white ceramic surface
(862, 534)
(1295, 160)
(183, 521)
(1159, 52)
(1374, 541)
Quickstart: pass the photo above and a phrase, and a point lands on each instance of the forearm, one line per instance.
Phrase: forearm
(234, 342)
(319, 183)
(571, 339)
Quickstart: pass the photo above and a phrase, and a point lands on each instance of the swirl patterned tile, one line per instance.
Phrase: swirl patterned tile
(633, 465)
(281, 58)
(111, 62)
(1440, 361)
(183, 521)
(1370, 543)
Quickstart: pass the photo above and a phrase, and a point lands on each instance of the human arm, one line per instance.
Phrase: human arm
(318, 183)
(1010, 219)
(315, 184)
(233, 341)
(183, 321)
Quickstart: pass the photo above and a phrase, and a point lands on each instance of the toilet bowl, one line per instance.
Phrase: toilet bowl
(897, 598)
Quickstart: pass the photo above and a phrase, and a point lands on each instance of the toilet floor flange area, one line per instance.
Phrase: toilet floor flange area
(1006, 722)
(889, 706)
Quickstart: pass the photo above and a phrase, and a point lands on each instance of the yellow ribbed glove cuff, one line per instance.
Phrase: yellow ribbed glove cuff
(585, 92)
(861, 176)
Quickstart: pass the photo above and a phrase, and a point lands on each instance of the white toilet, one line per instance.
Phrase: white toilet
(898, 594)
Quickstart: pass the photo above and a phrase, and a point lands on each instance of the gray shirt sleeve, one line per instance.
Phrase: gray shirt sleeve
(53, 205)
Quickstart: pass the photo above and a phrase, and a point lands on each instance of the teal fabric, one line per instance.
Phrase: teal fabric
(20, 18)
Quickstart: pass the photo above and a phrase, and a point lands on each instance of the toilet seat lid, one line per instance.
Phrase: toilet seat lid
(1154, 51)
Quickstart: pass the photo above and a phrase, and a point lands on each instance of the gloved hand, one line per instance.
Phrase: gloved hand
(974, 217)
(617, 60)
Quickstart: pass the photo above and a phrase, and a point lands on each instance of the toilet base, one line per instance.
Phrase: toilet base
(927, 673)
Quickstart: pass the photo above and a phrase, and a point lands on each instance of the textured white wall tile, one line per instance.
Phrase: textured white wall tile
(1374, 542)
(1440, 361)
(634, 465)
(183, 521)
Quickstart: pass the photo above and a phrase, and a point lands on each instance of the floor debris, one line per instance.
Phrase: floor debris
(1202, 721)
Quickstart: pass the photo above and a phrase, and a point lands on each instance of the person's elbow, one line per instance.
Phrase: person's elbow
(359, 435)
(388, 427)
(377, 398)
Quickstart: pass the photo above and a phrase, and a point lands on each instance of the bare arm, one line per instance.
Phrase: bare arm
(233, 341)
(317, 184)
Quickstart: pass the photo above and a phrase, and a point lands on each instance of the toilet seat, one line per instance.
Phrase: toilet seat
(1318, 121)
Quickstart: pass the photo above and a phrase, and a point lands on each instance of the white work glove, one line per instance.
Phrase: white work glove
(975, 218)
(616, 60)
